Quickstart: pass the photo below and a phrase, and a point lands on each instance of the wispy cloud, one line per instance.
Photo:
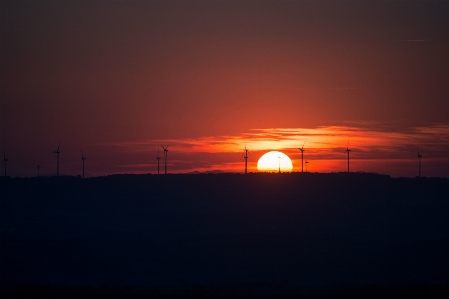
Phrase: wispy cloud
(322, 144)
(414, 40)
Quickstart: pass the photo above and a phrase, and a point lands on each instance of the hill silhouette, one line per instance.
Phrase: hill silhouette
(305, 229)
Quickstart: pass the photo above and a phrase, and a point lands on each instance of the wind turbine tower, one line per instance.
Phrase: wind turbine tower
(57, 152)
(158, 158)
(38, 168)
(165, 156)
(245, 156)
(347, 151)
(279, 163)
(302, 157)
(419, 164)
(82, 159)
(307, 163)
(4, 161)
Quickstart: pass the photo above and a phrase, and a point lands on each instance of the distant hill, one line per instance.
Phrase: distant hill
(207, 172)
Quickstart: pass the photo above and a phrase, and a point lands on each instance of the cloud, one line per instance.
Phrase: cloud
(362, 139)
(375, 145)
(414, 40)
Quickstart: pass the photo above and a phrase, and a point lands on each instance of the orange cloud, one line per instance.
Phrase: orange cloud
(371, 150)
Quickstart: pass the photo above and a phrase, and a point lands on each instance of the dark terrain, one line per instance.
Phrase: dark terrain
(259, 232)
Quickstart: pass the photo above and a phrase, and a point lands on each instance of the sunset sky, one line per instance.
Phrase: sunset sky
(116, 79)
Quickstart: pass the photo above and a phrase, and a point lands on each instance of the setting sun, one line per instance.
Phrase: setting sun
(274, 162)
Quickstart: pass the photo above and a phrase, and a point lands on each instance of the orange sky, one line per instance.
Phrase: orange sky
(371, 151)
(116, 79)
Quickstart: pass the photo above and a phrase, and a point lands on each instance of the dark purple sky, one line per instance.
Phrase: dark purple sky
(103, 75)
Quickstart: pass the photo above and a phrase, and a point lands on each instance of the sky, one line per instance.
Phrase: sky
(113, 80)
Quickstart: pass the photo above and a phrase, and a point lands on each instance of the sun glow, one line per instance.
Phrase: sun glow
(274, 162)
(382, 150)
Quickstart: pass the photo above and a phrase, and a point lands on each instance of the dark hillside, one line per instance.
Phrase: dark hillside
(147, 230)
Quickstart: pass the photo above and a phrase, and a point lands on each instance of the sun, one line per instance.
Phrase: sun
(274, 162)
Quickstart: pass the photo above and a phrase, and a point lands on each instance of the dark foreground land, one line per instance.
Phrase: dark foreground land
(256, 233)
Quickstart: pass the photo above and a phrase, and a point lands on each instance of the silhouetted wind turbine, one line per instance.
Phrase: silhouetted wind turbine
(419, 164)
(158, 158)
(279, 163)
(82, 159)
(4, 161)
(307, 162)
(245, 156)
(302, 156)
(165, 156)
(57, 152)
(347, 151)
(38, 167)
